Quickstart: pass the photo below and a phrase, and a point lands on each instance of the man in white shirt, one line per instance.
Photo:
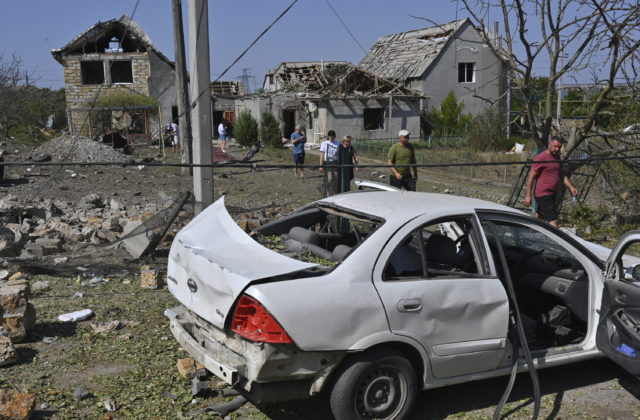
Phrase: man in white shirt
(329, 156)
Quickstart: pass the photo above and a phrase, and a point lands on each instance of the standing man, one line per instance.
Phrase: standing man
(402, 153)
(175, 132)
(222, 132)
(547, 176)
(298, 139)
(329, 156)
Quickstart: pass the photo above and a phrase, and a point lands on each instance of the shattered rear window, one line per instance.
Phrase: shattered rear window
(321, 235)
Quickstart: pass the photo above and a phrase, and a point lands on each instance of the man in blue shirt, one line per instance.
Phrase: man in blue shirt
(298, 139)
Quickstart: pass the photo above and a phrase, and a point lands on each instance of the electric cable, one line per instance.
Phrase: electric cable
(344, 25)
(520, 331)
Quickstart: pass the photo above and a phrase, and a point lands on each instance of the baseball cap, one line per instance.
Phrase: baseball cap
(403, 133)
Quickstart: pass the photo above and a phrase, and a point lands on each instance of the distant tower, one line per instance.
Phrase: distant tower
(247, 80)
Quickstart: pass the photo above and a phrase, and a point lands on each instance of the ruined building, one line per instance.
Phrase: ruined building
(117, 56)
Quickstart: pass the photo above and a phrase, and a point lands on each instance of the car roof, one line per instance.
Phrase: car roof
(407, 204)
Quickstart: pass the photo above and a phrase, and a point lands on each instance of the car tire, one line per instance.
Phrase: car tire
(381, 384)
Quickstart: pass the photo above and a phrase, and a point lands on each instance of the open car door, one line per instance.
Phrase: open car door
(618, 333)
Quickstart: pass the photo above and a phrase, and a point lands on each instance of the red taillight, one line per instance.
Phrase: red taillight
(251, 320)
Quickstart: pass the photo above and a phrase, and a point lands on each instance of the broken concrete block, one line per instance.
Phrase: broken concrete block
(189, 368)
(7, 351)
(16, 405)
(14, 295)
(16, 275)
(19, 322)
(149, 279)
(94, 221)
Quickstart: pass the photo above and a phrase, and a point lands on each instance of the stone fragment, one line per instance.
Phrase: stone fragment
(80, 394)
(7, 351)
(189, 368)
(149, 279)
(16, 405)
(19, 322)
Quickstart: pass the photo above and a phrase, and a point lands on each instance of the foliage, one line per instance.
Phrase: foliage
(246, 129)
(448, 120)
(270, 131)
(103, 121)
(122, 98)
(487, 132)
(583, 215)
(26, 111)
(336, 71)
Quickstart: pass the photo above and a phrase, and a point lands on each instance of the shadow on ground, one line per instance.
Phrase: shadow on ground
(443, 403)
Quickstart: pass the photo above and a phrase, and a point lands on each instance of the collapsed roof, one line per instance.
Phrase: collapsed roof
(334, 79)
(227, 88)
(406, 55)
(97, 39)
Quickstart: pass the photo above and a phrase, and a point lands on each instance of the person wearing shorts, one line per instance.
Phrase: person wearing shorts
(298, 139)
(546, 173)
(222, 132)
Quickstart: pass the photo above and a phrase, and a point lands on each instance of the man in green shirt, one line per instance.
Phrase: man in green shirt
(402, 153)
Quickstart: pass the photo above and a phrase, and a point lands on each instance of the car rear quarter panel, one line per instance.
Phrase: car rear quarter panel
(331, 312)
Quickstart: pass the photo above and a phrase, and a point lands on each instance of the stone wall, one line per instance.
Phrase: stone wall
(79, 95)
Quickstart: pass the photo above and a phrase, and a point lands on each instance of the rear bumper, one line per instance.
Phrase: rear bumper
(263, 372)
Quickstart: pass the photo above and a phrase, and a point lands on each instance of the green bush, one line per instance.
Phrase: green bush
(246, 129)
(487, 132)
(270, 131)
(446, 121)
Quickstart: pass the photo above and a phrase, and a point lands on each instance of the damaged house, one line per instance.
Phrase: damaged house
(223, 96)
(117, 56)
(453, 56)
(332, 95)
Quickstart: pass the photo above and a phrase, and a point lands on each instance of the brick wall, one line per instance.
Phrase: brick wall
(79, 95)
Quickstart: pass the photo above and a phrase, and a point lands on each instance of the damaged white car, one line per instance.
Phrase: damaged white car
(372, 296)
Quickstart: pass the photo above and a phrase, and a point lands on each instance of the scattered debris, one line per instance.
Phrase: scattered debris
(149, 279)
(190, 369)
(17, 314)
(80, 315)
(80, 394)
(16, 405)
(7, 351)
(226, 408)
(105, 327)
(110, 404)
(198, 385)
(40, 286)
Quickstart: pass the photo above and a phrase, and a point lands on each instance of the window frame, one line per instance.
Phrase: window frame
(463, 72)
(367, 120)
(476, 242)
(85, 70)
(111, 69)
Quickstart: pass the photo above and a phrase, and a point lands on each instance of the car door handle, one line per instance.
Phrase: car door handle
(621, 298)
(410, 305)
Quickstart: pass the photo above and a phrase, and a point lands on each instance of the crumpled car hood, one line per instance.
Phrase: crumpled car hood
(212, 260)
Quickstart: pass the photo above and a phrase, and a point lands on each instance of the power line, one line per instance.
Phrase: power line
(345, 26)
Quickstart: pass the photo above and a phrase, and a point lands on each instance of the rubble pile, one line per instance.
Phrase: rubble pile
(68, 148)
(51, 227)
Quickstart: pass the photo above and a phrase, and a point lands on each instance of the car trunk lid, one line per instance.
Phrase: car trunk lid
(212, 260)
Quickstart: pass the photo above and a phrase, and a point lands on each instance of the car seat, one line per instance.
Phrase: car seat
(441, 251)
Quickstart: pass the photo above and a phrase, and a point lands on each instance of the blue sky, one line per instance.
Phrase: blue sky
(310, 31)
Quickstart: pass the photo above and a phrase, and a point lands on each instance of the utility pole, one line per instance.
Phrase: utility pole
(201, 97)
(184, 116)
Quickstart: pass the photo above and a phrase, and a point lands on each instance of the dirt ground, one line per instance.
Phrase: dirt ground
(134, 366)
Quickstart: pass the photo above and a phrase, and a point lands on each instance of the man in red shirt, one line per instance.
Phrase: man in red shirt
(547, 170)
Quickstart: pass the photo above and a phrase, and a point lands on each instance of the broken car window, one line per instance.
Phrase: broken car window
(439, 250)
(322, 235)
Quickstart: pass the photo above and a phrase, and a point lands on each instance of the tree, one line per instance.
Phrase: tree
(599, 38)
(246, 129)
(11, 77)
(448, 120)
(270, 131)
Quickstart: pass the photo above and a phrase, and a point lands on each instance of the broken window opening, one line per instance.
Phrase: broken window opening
(121, 71)
(321, 235)
(466, 72)
(374, 119)
(92, 72)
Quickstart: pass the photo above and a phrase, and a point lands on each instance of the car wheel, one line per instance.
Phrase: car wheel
(378, 385)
